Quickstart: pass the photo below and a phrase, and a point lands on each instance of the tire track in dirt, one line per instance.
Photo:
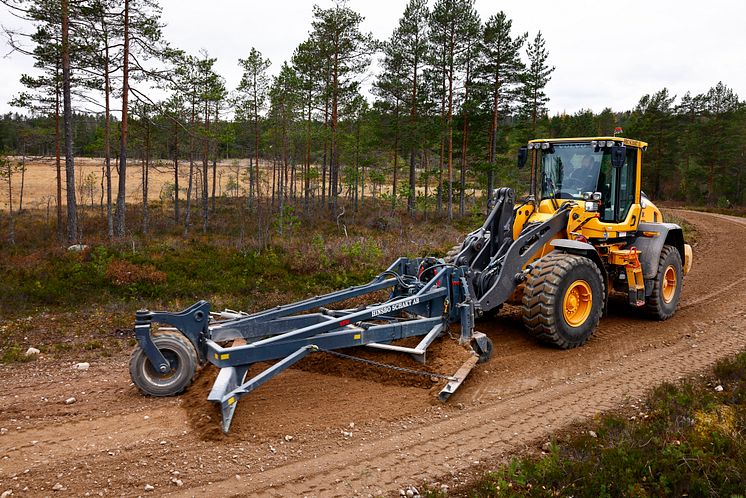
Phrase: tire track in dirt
(402, 436)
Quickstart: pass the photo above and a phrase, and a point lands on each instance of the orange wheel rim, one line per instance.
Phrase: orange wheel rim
(669, 284)
(577, 304)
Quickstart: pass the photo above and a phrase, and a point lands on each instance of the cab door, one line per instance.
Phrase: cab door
(620, 193)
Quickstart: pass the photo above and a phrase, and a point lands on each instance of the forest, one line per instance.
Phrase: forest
(451, 99)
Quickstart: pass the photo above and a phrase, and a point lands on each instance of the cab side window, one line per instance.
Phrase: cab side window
(617, 187)
(627, 177)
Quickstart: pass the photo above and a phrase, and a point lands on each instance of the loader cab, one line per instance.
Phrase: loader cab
(604, 169)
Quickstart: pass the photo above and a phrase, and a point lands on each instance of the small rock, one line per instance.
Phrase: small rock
(238, 477)
(288, 438)
(3, 430)
(346, 434)
(148, 487)
(77, 247)
(82, 366)
(32, 352)
(178, 482)
(146, 417)
(7, 493)
(719, 388)
(164, 442)
(546, 446)
(70, 401)
(410, 493)
(592, 434)
(402, 492)
(352, 425)
(58, 487)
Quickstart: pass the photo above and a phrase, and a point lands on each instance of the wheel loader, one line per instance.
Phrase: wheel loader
(583, 232)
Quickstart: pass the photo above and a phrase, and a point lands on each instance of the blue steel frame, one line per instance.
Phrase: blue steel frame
(416, 307)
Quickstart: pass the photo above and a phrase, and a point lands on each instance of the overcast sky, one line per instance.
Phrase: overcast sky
(606, 54)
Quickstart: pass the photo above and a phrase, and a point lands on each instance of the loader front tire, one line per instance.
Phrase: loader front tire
(663, 300)
(563, 299)
(180, 354)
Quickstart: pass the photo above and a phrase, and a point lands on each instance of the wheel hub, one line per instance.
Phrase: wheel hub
(668, 285)
(577, 303)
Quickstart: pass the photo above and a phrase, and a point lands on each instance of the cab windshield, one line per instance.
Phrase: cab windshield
(570, 169)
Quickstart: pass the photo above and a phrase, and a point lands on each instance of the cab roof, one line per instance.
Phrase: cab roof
(626, 141)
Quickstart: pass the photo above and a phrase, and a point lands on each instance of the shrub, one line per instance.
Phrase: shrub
(124, 273)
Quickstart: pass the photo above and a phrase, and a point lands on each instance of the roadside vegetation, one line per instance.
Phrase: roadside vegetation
(684, 439)
(63, 300)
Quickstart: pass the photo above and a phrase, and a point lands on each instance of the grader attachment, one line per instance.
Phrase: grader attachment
(426, 295)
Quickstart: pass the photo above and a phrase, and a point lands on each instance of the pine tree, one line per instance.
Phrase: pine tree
(411, 39)
(253, 90)
(348, 50)
(498, 73)
(534, 80)
(451, 35)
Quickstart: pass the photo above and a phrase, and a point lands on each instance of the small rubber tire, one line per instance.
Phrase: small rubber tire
(179, 352)
(669, 264)
(543, 305)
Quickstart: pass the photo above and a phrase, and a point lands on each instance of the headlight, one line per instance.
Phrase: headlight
(594, 144)
(609, 143)
(591, 206)
(530, 146)
(545, 145)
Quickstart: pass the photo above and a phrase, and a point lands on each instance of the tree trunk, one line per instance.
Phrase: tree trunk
(413, 135)
(334, 163)
(11, 223)
(492, 155)
(396, 159)
(107, 132)
(72, 213)
(214, 163)
(146, 179)
(176, 172)
(190, 181)
(119, 227)
(23, 176)
(58, 153)
(450, 131)
(205, 170)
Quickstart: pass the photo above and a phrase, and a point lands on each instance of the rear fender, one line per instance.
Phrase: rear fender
(650, 241)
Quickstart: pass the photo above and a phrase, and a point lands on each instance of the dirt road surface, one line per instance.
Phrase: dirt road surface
(338, 431)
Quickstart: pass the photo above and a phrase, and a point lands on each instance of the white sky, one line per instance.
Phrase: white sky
(607, 54)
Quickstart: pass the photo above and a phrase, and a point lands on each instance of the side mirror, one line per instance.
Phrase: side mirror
(618, 155)
(522, 156)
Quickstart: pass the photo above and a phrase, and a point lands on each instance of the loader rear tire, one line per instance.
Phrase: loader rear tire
(179, 352)
(563, 300)
(662, 302)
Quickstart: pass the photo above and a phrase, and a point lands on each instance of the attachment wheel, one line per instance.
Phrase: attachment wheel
(181, 356)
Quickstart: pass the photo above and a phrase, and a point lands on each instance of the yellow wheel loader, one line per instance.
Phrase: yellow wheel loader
(584, 230)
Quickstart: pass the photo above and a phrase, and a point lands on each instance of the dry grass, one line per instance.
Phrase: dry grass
(39, 187)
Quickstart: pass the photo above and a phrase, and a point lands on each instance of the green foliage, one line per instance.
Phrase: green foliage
(15, 354)
(689, 440)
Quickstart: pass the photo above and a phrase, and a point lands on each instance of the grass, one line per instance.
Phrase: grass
(68, 303)
(688, 439)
